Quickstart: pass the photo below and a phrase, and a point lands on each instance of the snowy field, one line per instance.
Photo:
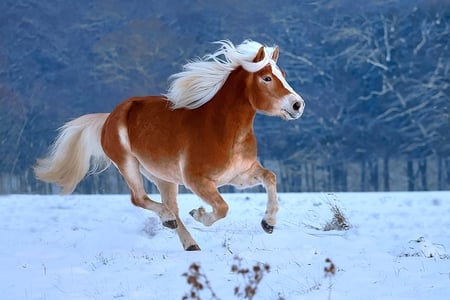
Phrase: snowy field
(102, 247)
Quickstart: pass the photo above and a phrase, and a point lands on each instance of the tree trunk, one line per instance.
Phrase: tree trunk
(423, 173)
(313, 177)
(410, 175)
(386, 181)
(363, 176)
(447, 171)
(373, 167)
(307, 179)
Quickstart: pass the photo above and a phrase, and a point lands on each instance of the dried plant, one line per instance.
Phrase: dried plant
(252, 278)
(330, 271)
(198, 282)
(338, 221)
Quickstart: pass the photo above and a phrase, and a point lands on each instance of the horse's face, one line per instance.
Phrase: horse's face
(270, 92)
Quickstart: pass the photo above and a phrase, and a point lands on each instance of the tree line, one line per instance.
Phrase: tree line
(375, 78)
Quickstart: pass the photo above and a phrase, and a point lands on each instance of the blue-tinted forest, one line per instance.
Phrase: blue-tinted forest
(375, 76)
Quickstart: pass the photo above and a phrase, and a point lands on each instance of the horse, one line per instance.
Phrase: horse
(199, 134)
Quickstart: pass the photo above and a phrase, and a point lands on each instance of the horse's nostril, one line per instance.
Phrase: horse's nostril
(296, 106)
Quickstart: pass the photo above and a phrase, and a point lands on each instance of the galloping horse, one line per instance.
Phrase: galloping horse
(200, 134)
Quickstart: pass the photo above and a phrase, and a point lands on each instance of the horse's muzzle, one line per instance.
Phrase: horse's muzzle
(293, 108)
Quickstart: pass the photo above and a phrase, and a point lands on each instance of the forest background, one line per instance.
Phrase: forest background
(374, 75)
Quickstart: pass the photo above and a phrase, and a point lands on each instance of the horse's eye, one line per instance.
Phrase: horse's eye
(267, 78)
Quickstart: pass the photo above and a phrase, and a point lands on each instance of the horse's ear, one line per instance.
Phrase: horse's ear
(260, 55)
(275, 54)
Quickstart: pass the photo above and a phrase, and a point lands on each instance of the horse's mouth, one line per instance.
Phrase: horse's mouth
(287, 115)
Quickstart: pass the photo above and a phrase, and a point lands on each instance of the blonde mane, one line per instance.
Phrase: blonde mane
(201, 79)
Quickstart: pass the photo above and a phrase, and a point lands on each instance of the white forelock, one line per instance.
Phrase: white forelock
(201, 79)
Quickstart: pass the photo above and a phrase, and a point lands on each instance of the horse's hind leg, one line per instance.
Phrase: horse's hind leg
(129, 168)
(116, 145)
(169, 193)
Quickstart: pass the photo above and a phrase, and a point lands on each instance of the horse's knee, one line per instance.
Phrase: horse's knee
(270, 178)
(137, 201)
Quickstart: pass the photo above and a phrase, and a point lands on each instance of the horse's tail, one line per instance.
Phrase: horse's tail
(76, 151)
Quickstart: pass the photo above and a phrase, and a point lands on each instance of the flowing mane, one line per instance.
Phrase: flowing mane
(201, 79)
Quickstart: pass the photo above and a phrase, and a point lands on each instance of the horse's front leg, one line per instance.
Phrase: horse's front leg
(207, 191)
(258, 175)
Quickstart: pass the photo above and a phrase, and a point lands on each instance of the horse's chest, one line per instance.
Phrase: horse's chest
(241, 157)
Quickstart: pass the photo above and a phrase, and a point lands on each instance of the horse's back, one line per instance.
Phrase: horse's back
(137, 116)
(147, 129)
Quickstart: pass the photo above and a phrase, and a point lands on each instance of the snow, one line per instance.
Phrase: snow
(102, 247)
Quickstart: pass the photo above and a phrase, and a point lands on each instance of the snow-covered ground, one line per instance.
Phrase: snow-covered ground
(102, 247)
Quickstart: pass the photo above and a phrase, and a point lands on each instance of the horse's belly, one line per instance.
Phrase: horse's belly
(164, 170)
(238, 167)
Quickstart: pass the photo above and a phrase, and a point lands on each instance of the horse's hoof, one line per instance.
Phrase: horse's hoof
(172, 224)
(193, 248)
(266, 226)
(197, 213)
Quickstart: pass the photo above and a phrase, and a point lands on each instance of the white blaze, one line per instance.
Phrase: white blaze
(277, 72)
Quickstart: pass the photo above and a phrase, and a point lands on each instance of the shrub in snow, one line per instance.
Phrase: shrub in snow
(338, 221)
(422, 247)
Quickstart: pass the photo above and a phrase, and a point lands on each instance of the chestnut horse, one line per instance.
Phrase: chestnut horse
(199, 134)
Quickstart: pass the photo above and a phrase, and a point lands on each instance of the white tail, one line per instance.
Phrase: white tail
(76, 151)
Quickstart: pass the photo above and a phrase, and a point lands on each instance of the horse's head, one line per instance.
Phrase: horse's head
(269, 91)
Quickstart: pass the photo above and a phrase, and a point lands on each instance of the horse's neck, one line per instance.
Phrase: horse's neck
(230, 109)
